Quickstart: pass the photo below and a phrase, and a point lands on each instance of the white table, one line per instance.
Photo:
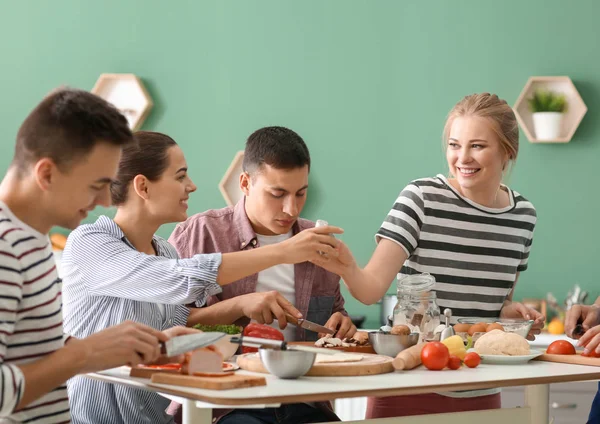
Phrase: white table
(536, 375)
(354, 408)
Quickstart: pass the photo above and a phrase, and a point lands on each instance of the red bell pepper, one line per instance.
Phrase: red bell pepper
(261, 331)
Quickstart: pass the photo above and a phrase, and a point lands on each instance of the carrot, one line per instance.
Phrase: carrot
(409, 358)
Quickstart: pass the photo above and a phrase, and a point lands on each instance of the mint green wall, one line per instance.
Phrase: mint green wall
(366, 83)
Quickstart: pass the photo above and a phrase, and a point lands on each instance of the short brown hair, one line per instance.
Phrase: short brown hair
(148, 156)
(66, 125)
(497, 111)
(278, 147)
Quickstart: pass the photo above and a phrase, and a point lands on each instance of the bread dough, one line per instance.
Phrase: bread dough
(338, 357)
(497, 342)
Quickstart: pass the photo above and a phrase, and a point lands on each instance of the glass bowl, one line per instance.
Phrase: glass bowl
(511, 325)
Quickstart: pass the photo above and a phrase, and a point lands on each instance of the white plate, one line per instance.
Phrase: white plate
(509, 360)
(234, 365)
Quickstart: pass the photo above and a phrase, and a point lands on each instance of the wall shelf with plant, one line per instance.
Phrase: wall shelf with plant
(549, 109)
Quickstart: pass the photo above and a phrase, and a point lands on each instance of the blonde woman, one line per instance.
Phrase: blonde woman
(470, 231)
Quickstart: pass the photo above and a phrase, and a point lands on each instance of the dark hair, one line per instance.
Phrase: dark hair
(278, 147)
(148, 156)
(66, 125)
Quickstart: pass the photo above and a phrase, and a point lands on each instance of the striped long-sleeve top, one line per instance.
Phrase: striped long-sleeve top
(30, 319)
(107, 281)
(474, 252)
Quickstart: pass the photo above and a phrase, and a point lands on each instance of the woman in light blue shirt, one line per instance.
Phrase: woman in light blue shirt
(118, 269)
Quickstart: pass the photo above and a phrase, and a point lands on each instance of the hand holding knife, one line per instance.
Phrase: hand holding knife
(308, 325)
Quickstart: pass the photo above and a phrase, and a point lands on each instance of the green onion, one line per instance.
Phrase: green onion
(222, 328)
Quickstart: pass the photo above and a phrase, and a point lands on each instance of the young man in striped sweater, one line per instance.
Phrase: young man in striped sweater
(66, 154)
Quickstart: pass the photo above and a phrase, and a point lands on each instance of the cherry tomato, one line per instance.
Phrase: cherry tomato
(472, 360)
(561, 347)
(592, 354)
(435, 356)
(454, 362)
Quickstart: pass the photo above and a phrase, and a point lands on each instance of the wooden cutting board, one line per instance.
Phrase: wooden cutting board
(369, 365)
(234, 381)
(358, 349)
(576, 359)
(142, 372)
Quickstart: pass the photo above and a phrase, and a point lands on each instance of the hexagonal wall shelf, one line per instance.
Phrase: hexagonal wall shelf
(128, 94)
(576, 109)
(230, 183)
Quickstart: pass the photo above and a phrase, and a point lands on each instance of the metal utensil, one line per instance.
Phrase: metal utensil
(286, 363)
(448, 331)
(278, 344)
(391, 344)
(181, 344)
(308, 325)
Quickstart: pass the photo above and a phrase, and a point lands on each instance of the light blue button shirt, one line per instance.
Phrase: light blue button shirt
(107, 281)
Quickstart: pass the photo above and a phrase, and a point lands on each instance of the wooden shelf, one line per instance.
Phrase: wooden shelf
(230, 183)
(128, 94)
(576, 108)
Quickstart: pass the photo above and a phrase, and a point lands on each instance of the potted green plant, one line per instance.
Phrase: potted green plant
(548, 109)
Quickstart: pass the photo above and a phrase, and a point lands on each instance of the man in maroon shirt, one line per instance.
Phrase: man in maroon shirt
(275, 184)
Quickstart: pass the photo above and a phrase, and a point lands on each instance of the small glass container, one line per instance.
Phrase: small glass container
(417, 307)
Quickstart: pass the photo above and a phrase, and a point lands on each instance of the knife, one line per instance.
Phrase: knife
(181, 344)
(308, 325)
(578, 331)
(279, 344)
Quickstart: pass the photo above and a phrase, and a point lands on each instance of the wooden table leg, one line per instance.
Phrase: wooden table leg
(537, 398)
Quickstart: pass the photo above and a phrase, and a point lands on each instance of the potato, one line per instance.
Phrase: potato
(402, 330)
(494, 326)
(477, 328)
(461, 328)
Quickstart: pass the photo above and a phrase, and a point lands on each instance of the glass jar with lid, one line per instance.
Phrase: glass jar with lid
(417, 307)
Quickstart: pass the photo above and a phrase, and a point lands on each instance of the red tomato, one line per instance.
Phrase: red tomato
(435, 356)
(454, 362)
(591, 354)
(261, 331)
(561, 347)
(472, 360)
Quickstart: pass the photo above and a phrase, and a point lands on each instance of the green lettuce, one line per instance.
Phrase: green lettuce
(222, 328)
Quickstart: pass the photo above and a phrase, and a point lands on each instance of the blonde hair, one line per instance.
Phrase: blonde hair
(497, 111)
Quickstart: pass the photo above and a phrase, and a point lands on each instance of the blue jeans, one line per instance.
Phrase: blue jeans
(594, 417)
(294, 413)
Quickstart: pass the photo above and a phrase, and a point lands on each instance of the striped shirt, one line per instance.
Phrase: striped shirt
(107, 281)
(30, 319)
(474, 252)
